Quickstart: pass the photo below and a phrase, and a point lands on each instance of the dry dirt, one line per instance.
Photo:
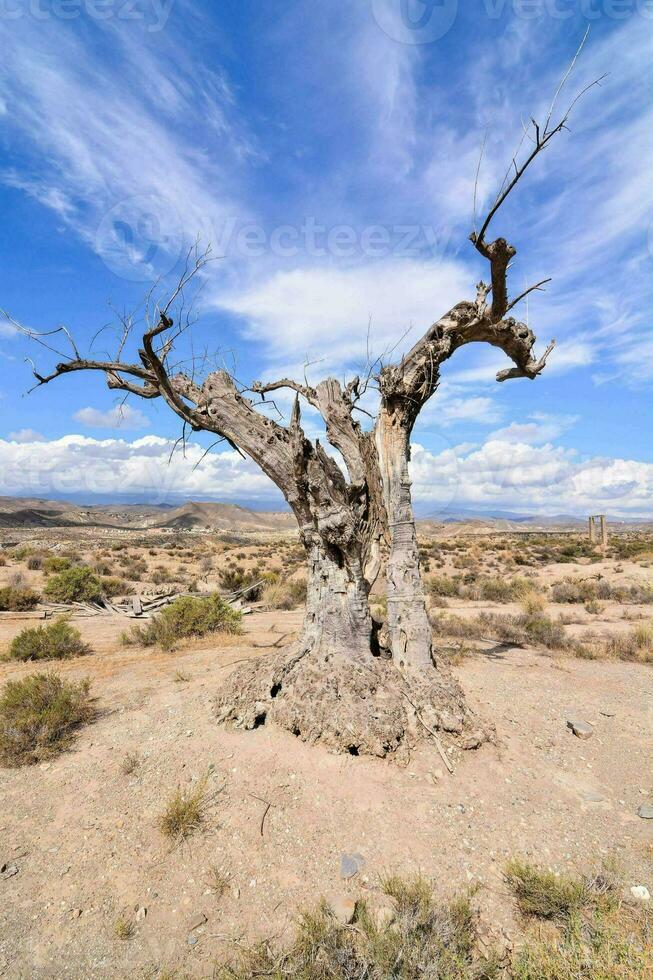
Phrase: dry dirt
(85, 839)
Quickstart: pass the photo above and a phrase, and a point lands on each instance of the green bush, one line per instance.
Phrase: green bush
(115, 586)
(57, 641)
(187, 617)
(16, 599)
(75, 584)
(56, 564)
(38, 717)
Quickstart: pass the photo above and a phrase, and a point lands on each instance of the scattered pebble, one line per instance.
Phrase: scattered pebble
(581, 729)
(645, 811)
(640, 893)
(351, 864)
(197, 921)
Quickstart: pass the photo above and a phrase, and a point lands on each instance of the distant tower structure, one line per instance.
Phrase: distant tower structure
(598, 530)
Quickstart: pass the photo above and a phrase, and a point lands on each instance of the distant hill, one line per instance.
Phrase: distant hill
(18, 512)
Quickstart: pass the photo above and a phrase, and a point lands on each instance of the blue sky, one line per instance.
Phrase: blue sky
(328, 153)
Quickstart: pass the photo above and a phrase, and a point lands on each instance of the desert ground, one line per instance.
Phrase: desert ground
(540, 629)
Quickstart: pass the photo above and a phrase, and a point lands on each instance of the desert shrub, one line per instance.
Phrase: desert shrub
(17, 599)
(424, 939)
(22, 552)
(543, 893)
(185, 812)
(533, 603)
(187, 617)
(76, 584)
(635, 646)
(34, 563)
(115, 586)
(235, 579)
(161, 575)
(444, 586)
(518, 630)
(38, 717)
(586, 932)
(3, 561)
(56, 641)
(55, 564)
(284, 595)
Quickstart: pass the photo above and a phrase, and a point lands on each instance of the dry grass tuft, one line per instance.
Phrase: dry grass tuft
(124, 928)
(185, 812)
(130, 763)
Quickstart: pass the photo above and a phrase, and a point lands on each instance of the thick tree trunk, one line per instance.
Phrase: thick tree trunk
(408, 624)
(337, 618)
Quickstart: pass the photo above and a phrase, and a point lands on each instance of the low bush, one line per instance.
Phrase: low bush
(57, 641)
(186, 617)
(424, 939)
(35, 563)
(115, 586)
(76, 584)
(38, 717)
(518, 630)
(56, 564)
(17, 599)
(490, 588)
(284, 595)
(235, 579)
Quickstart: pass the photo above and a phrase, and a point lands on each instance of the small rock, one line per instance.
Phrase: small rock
(141, 913)
(343, 909)
(593, 798)
(640, 893)
(645, 811)
(192, 940)
(197, 921)
(9, 870)
(350, 865)
(581, 729)
(75, 913)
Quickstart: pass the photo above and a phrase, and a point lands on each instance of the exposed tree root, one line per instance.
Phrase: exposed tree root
(364, 708)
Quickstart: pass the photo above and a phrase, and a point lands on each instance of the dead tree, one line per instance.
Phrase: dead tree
(339, 685)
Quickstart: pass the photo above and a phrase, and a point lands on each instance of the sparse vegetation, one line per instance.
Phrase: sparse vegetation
(185, 812)
(124, 928)
(130, 763)
(284, 595)
(38, 717)
(53, 565)
(218, 880)
(425, 939)
(56, 641)
(186, 617)
(75, 584)
(15, 598)
(591, 933)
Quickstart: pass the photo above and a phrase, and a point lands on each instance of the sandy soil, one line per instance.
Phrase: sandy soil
(85, 839)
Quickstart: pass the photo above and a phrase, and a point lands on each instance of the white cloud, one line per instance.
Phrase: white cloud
(531, 479)
(499, 474)
(26, 435)
(539, 429)
(82, 466)
(120, 417)
(324, 312)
